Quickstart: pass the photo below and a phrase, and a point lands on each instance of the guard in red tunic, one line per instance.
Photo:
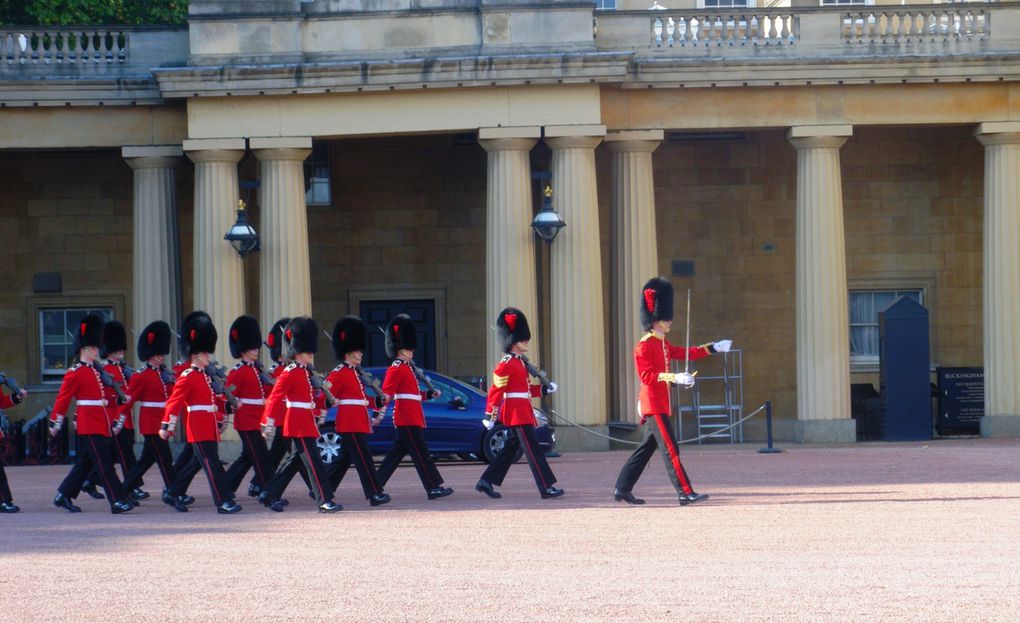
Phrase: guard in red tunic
(186, 461)
(353, 420)
(401, 386)
(6, 499)
(652, 356)
(149, 388)
(510, 400)
(193, 394)
(293, 390)
(250, 391)
(82, 383)
(113, 348)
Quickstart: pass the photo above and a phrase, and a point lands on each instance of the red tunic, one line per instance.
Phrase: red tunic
(193, 395)
(401, 386)
(5, 401)
(352, 414)
(250, 392)
(512, 392)
(114, 410)
(147, 389)
(652, 355)
(292, 393)
(275, 371)
(82, 383)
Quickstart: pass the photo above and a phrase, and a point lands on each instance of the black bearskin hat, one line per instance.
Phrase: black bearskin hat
(199, 335)
(182, 344)
(90, 332)
(154, 340)
(400, 335)
(349, 334)
(656, 302)
(512, 326)
(244, 335)
(301, 335)
(274, 340)
(114, 338)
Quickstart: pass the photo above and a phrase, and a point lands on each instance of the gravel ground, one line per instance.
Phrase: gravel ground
(869, 532)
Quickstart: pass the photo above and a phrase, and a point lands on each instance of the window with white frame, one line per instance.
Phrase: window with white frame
(605, 5)
(57, 330)
(317, 178)
(726, 4)
(864, 308)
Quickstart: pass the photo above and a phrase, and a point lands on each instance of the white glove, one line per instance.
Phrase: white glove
(682, 378)
(551, 389)
(722, 346)
(488, 424)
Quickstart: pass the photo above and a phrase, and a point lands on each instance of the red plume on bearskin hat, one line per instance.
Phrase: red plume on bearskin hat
(349, 334)
(154, 340)
(656, 302)
(114, 338)
(400, 335)
(89, 333)
(244, 335)
(512, 326)
(199, 335)
(301, 335)
(182, 344)
(274, 340)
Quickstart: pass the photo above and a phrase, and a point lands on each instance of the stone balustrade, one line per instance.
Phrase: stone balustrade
(63, 46)
(915, 24)
(765, 27)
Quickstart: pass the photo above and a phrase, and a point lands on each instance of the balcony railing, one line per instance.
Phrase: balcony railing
(910, 24)
(775, 27)
(63, 46)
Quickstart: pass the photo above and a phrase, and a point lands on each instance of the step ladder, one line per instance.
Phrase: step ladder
(717, 399)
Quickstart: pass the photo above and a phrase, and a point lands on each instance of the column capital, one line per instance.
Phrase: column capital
(215, 155)
(557, 131)
(507, 144)
(204, 144)
(634, 140)
(568, 142)
(282, 153)
(998, 132)
(819, 136)
(531, 131)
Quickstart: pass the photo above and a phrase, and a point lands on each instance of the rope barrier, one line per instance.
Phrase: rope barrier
(636, 443)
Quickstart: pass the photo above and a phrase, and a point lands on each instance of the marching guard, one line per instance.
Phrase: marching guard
(401, 386)
(82, 383)
(114, 346)
(293, 390)
(193, 394)
(353, 420)
(245, 341)
(6, 498)
(652, 356)
(510, 400)
(149, 388)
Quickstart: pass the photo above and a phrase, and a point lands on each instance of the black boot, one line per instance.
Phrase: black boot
(121, 506)
(8, 507)
(254, 490)
(64, 502)
(551, 492)
(330, 507)
(89, 488)
(379, 499)
(179, 504)
(626, 496)
(228, 508)
(486, 487)
(692, 497)
(440, 492)
(138, 495)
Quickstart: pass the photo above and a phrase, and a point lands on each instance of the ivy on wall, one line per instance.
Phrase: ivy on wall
(92, 12)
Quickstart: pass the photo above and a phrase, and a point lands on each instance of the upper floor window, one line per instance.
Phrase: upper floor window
(57, 329)
(864, 308)
(317, 177)
(725, 4)
(847, 2)
(605, 5)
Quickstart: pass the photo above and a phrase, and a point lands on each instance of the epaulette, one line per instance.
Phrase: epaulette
(291, 366)
(397, 362)
(507, 357)
(276, 364)
(75, 367)
(187, 371)
(647, 336)
(237, 366)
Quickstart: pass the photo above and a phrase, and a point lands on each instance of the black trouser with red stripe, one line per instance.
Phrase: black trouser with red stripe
(657, 431)
(278, 450)
(93, 452)
(411, 440)
(155, 451)
(253, 454)
(525, 437)
(208, 457)
(5, 488)
(122, 447)
(354, 449)
(302, 451)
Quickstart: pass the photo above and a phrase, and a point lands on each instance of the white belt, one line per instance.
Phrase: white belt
(92, 403)
(201, 408)
(159, 405)
(408, 397)
(252, 401)
(352, 401)
(300, 405)
(525, 395)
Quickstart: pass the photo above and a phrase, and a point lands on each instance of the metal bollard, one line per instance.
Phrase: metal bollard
(768, 427)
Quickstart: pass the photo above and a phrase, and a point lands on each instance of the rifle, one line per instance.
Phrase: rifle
(535, 372)
(218, 378)
(10, 383)
(108, 381)
(420, 375)
(264, 377)
(166, 375)
(126, 370)
(318, 383)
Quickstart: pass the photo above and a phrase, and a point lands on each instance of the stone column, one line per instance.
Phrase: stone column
(823, 330)
(286, 288)
(1001, 278)
(635, 256)
(578, 361)
(219, 275)
(156, 252)
(509, 241)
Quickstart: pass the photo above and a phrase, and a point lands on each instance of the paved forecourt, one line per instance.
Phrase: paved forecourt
(870, 532)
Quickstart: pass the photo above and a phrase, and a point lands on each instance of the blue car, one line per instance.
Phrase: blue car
(454, 425)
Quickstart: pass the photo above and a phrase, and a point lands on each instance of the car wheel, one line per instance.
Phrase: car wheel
(493, 442)
(329, 446)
